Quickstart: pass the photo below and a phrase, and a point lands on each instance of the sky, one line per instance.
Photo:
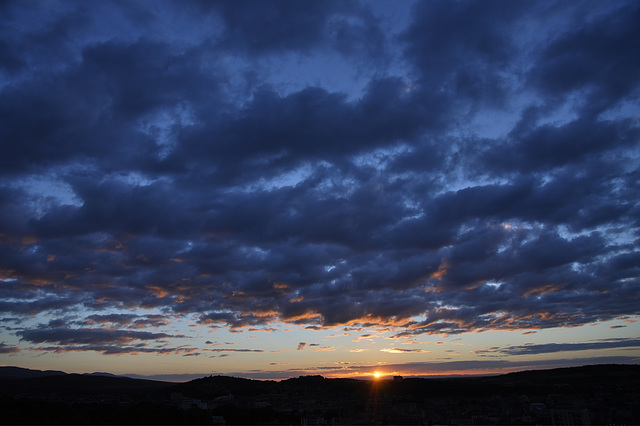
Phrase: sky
(270, 189)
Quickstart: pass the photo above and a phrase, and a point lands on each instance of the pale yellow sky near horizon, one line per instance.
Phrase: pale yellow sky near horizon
(291, 351)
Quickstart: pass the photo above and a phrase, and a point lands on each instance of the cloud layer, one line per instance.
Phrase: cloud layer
(480, 173)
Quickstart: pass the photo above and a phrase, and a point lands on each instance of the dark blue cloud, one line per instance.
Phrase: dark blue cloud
(57, 332)
(256, 28)
(461, 48)
(593, 56)
(560, 347)
(485, 176)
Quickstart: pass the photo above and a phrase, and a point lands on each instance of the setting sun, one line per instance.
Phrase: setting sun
(377, 374)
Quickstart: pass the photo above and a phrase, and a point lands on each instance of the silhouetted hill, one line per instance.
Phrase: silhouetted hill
(215, 386)
(596, 394)
(62, 386)
(574, 378)
(570, 374)
(37, 397)
(99, 373)
(591, 394)
(13, 373)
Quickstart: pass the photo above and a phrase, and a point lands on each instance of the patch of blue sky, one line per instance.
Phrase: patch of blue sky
(289, 178)
(493, 284)
(491, 123)
(240, 74)
(329, 268)
(379, 158)
(162, 126)
(52, 186)
(335, 184)
(460, 178)
(293, 72)
(132, 178)
(627, 108)
(163, 22)
(188, 246)
(46, 191)
(394, 15)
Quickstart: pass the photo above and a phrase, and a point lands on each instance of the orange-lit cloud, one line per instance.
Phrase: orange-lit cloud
(404, 351)
(543, 289)
(324, 349)
(6, 349)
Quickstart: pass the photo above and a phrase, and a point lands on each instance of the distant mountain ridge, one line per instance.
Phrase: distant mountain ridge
(17, 373)
(58, 385)
(100, 373)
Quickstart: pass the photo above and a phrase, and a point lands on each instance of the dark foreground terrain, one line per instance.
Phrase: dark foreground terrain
(603, 394)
